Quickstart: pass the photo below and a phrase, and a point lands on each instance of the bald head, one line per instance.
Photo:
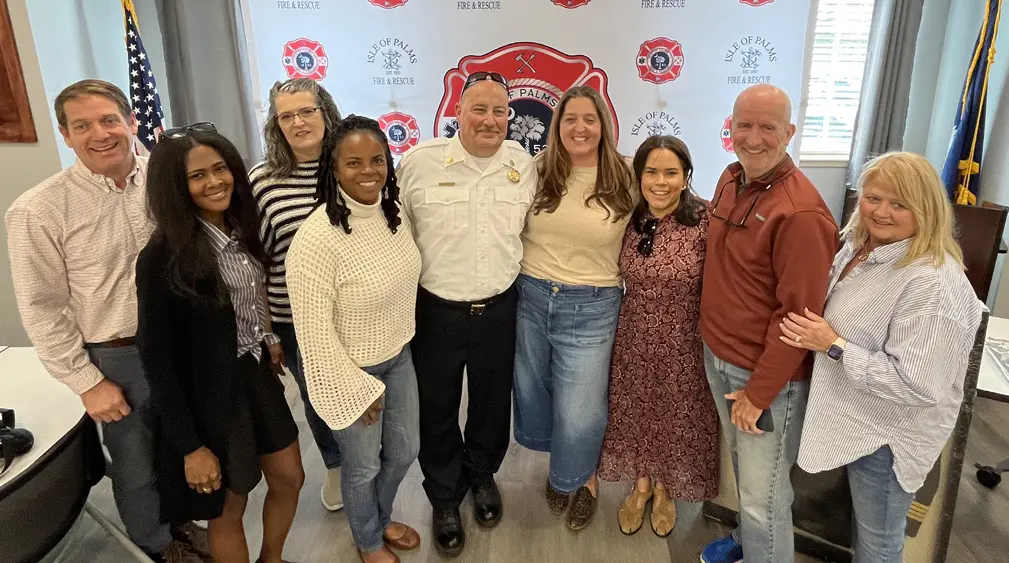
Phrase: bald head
(761, 128)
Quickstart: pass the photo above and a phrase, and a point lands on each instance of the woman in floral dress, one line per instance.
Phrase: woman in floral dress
(663, 426)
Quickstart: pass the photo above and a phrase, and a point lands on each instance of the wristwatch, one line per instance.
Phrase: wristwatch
(836, 349)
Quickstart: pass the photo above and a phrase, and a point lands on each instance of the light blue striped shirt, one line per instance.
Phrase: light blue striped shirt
(900, 382)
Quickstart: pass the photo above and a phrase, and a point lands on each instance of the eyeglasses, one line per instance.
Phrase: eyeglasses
(285, 119)
(180, 132)
(647, 228)
(480, 76)
(726, 220)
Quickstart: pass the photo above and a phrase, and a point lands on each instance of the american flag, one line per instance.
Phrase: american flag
(144, 98)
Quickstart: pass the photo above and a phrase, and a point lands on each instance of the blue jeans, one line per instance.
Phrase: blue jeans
(321, 432)
(881, 507)
(563, 346)
(377, 457)
(130, 442)
(762, 463)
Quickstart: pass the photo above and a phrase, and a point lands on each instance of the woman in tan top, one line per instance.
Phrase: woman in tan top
(569, 299)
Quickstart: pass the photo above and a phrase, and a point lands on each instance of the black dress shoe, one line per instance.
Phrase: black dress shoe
(487, 504)
(449, 537)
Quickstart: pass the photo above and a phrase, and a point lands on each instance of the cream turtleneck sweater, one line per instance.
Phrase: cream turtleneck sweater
(353, 297)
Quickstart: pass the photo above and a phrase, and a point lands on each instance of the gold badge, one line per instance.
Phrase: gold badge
(514, 176)
(449, 160)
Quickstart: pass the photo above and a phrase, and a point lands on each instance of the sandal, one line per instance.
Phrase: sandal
(630, 517)
(663, 513)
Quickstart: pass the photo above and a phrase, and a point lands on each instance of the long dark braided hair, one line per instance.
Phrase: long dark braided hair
(328, 191)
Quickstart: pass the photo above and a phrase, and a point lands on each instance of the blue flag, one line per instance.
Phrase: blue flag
(144, 98)
(961, 171)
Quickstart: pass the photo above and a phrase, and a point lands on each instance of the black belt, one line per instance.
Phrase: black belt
(114, 343)
(474, 307)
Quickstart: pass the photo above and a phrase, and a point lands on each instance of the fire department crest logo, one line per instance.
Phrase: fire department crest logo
(538, 75)
(401, 129)
(388, 4)
(660, 60)
(727, 134)
(571, 4)
(756, 3)
(305, 58)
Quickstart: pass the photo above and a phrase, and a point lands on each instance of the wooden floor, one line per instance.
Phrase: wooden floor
(530, 534)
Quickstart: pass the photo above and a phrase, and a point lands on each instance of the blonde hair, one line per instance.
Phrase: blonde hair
(918, 184)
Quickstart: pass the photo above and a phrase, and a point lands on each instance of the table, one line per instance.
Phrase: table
(44, 491)
(991, 383)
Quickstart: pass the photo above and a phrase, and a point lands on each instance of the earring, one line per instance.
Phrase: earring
(385, 193)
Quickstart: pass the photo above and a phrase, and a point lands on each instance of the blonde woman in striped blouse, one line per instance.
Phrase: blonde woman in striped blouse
(891, 349)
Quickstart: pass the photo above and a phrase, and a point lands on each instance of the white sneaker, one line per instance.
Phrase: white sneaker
(332, 495)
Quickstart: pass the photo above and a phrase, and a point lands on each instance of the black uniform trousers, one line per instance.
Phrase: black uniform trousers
(451, 335)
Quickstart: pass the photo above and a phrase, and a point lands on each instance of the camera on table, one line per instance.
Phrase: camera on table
(13, 441)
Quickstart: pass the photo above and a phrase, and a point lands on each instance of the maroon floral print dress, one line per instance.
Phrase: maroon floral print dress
(662, 418)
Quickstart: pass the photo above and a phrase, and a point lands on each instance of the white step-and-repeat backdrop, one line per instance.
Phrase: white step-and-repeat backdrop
(664, 66)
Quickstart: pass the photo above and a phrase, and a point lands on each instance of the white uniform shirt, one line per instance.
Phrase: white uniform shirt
(467, 221)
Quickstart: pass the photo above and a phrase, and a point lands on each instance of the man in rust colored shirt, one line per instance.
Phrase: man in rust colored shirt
(771, 242)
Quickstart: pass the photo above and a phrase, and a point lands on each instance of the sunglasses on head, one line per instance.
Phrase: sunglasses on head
(184, 131)
(647, 228)
(480, 76)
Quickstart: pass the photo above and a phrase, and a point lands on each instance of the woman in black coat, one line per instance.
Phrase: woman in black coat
(207, 348)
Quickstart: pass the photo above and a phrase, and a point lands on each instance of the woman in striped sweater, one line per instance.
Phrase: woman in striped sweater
(891, 348)
(301, 117)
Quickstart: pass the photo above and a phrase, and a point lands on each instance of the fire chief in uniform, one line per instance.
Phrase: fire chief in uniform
(467, 199)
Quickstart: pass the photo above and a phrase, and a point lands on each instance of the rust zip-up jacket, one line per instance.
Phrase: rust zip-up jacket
(778, 261)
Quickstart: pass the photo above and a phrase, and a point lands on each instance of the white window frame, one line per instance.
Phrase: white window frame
(813, 158)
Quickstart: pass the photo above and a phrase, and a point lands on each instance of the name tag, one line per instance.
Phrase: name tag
(446, 183)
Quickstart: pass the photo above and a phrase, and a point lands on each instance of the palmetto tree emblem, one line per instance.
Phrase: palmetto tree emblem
(526, 129)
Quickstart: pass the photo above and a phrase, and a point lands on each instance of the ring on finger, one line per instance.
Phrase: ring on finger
(798, 340)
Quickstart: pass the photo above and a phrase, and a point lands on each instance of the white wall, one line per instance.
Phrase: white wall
(829, 180)
(23, 165)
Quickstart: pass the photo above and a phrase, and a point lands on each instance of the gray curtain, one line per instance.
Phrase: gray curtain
(206, 59)
(886, 84)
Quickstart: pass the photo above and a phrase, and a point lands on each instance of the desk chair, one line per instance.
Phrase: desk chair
(979, 232)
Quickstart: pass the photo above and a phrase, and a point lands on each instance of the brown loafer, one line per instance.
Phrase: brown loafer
(663, 513)
(408, 541)
(583, 508)
(631, 515)
(557, 502)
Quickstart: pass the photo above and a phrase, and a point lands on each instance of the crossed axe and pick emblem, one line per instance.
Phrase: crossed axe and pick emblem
(525, 63)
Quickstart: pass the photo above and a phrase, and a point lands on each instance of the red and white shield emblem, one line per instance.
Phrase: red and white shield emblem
(660, 60)
(538, 75)
(305, 58)
(571, 4)
(402, 131)
(727, 134)
(756, 3)
(388, 4)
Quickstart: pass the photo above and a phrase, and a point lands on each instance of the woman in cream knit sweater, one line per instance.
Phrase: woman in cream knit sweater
(352, 274)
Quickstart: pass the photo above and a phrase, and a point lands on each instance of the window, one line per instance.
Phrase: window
(840, 43)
